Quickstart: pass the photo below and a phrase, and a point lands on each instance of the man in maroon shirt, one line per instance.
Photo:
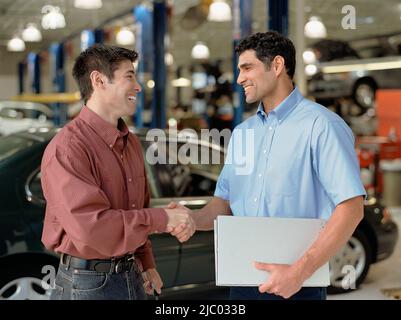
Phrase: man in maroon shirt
(94, 182)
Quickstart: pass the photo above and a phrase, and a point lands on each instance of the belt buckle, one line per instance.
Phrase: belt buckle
(118, 266)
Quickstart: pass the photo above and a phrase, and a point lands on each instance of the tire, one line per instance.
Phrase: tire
(21, 278)
(354, 259)
(364, 95)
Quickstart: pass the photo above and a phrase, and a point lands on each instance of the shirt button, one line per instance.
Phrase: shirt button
(264, 151)
(270, 128)
(133, 206)
(260, 175)
(111, 146)
(130, 180)
(256, 199)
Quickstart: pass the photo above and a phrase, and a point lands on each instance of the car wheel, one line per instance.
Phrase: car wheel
(364, 95)
(23, 281)
(352, 262)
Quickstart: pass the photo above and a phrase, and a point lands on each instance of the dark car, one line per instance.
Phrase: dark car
(185, 268)
(355, 70)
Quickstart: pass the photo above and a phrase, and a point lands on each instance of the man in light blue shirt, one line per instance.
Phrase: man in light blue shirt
(300, 163)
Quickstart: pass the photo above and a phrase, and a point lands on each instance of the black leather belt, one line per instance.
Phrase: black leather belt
(116, 265)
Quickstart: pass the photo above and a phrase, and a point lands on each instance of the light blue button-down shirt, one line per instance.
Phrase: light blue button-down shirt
(300, 162)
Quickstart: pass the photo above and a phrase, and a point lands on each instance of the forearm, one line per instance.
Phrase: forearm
(336, 233)
(125, 230)
(204, 218)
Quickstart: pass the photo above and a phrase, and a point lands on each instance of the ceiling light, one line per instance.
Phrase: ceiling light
(310, 69)
(150, 84)
(200, 51)
(168, 59)
(309, 56)
(125, 36)
(53, 18)
(31, 33)
(16, 44)
(88, 4)
(315, 28)
(219, 10)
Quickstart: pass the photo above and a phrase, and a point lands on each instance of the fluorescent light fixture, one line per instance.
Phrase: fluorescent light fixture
(315, 28)
(374, 65)
(88, 4)
(219, 11)
(200, 51)
(16, 44)
(181, 82)
(53, 18)
(125, 36)
(31, 33)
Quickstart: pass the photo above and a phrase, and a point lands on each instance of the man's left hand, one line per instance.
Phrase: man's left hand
(152, 281)
(284, 280)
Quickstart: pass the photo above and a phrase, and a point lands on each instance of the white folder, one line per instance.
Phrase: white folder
(239, 241)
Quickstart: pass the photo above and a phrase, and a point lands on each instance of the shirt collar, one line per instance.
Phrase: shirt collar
(284, 108)
(105, 130)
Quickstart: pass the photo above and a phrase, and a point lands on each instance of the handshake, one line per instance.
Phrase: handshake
(180, 222)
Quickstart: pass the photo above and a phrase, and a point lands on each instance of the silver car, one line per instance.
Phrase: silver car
(20, 115)
(356, 70)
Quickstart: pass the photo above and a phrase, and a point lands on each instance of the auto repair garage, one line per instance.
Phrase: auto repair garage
(189, 89)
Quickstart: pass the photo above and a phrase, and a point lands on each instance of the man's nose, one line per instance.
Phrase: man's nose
(240, 79)
(138, 87)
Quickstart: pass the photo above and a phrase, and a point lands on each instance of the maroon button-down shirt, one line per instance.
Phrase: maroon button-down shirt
(94, 182)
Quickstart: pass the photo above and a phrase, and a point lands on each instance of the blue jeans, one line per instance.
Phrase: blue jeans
(252, 293)
(77, 284)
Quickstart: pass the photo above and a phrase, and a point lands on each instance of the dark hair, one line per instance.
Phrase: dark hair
(102, 58)
(267, 45)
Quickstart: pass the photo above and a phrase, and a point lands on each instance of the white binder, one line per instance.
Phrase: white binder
(239, 241)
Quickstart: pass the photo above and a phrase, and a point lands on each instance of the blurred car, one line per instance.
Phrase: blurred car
(354, 70)
(20, 115)
(185, 268)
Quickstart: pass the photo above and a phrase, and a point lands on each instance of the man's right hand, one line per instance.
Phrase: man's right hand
(180, 223)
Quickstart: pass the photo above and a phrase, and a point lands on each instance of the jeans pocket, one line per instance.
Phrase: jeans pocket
(86, 281)
(57, 293)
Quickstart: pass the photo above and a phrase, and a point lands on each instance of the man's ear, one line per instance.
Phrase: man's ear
(278, 65)
(97, 79)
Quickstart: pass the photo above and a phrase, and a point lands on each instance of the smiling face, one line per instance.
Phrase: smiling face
(120, 93)
(258, 81)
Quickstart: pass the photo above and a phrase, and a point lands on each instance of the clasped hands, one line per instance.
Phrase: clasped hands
(180, 223)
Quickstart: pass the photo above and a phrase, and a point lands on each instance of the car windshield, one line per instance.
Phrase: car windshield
(12, 144)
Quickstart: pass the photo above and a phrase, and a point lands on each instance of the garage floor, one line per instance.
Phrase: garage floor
(383, 279)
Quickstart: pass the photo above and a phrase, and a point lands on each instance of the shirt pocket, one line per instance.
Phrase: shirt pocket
(284, 176)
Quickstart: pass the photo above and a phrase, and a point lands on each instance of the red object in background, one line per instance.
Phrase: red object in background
(388, 113)
(372, 149)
